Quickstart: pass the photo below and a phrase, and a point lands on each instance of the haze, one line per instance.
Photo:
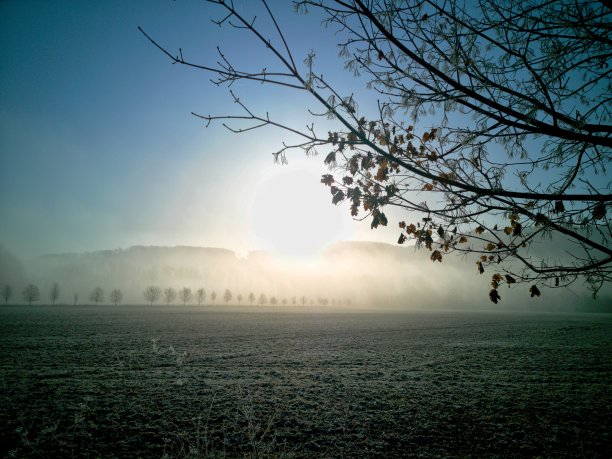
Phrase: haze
(98, 151)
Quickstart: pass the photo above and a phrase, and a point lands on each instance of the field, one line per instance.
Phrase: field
(137, 381)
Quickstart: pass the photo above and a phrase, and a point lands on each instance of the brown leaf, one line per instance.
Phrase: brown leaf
(494, 296)
(327, 179)
(600, 211)
(338, 197)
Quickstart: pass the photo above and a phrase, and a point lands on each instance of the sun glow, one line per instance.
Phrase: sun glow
(292, 212)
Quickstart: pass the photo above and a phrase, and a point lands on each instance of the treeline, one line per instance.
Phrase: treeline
(154, 294)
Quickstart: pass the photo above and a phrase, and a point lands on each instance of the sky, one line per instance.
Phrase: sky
(99, 150)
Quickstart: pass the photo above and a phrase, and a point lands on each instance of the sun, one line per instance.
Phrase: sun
(292, 212)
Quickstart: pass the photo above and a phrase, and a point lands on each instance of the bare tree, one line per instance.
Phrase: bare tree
(213, 296)
(491, 129)
(54, 293)
(227, 295)
(6, 293)
(200, 295)
(262, 299)
(239, 298)
(152, 294)
(116, 296)
(97, 295)
(169, 295)
(30, 293)
(186, 295)
(251, 297)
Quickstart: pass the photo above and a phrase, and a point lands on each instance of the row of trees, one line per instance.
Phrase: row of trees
(31, 294)
(153, 294)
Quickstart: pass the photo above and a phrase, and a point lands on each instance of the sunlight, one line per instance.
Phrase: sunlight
(292, 212)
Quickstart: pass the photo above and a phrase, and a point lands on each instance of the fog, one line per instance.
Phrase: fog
(362, 275)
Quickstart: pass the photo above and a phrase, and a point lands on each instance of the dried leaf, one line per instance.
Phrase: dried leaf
(428, 187)
(600, 211)
(534, 291)
(327, 179)
(494, 296)
(338, 197)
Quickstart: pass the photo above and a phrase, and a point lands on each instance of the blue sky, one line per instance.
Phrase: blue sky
(98, 149)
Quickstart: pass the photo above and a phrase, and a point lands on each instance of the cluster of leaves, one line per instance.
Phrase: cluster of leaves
(369, 181)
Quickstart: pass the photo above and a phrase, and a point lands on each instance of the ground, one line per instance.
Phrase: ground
(135, 381)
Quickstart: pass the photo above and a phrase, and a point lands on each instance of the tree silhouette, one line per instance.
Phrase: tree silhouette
(6, 293)
(200, 295)
(227, 295)
(262, 299)
(239, 298)
(30, 293)
(251, 297)
(186, 295)
(116, 296)
(490, 130)
(76, 299)
(54, 293)
(97, 295)
(273, 300)
(213, 296)
(152, 294)
(169, 295)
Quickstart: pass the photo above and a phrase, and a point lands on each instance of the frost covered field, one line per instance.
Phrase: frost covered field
(203, 382)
